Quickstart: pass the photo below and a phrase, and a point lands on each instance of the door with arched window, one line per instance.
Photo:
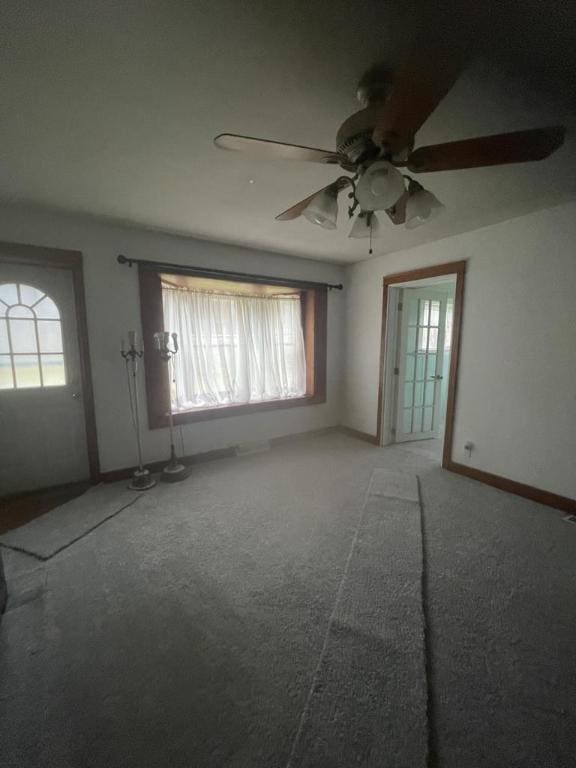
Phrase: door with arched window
(30, 338)
(42, 420)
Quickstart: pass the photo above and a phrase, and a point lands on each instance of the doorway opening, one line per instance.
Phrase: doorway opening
(421, 331)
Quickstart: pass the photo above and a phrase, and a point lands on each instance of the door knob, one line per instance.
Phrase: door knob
(438, 378)
(76, 395)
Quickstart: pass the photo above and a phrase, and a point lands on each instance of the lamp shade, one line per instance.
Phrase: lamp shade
(364, 223)
(323, 208)
(380, 186)
(421, 206)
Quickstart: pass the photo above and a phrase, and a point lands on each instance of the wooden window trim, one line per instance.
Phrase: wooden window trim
(314, 323)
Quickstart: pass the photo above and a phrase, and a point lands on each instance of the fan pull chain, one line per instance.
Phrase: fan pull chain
(371, 219)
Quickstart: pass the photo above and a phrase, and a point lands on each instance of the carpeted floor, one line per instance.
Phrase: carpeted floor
(189, 629)
(502, 616)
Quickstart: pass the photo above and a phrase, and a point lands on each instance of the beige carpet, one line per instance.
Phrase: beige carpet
(189, 628)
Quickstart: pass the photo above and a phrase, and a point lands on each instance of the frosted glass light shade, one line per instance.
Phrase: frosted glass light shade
(361, 227)
(323, 209)
(421, 206)
(380, 187)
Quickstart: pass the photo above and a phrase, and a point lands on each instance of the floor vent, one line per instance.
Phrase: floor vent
(569, 519)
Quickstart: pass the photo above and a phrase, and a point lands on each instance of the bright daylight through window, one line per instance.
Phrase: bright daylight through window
(31, 353)
(239, 343)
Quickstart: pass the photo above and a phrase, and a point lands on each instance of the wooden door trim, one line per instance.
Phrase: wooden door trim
(18, 253)
(457, 268)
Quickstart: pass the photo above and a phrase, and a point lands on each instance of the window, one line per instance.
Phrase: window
(31, 353)
(243, 346)
(237, 345)
(427, 323)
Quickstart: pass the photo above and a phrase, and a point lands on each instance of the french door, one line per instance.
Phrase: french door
(420, 364)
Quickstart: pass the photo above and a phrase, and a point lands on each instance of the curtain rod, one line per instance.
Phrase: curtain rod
(181, 269)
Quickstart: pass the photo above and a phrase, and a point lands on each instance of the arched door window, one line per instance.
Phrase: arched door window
(31, 352)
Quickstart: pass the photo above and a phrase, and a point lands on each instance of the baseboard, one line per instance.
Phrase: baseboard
(372, 439)
(114, 475)
(299, 435)
(512, 486)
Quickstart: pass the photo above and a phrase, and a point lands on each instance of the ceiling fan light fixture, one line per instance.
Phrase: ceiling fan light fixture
(380, 186)
(323, 208)
(421, 206)
(365, 224)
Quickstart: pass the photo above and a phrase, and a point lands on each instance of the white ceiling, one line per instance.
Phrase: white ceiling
(110, 108)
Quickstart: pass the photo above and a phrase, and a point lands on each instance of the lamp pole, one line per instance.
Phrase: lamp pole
(174, 470)
(141, 478)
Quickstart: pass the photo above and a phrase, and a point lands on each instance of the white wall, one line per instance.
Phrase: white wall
(517, 385)
(113, 308)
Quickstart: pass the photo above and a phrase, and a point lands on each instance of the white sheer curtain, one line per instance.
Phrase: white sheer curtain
(234, 349)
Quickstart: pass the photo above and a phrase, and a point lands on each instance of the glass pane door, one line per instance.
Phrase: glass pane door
(420, 369)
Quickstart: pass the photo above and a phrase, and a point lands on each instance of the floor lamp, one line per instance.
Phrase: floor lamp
(174, 470)
(142, 480)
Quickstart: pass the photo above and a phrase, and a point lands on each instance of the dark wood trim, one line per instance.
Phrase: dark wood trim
(314, 322)
(437, 270)
(453, 374)
(219, 453)
(308, 311)
(225, 411)
(86, 370)
(364, 436)
(512, 486)
(155, 371)
(381, 375)
(457, 268)
(320, 344)
(315, 310)
(113, 475)
(291, 436)
(18, 253)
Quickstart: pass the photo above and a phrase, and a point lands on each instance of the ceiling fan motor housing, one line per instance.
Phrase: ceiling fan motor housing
(354, 137)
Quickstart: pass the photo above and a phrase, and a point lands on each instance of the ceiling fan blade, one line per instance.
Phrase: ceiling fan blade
(296, 210)
(500, 149)
(397, 214)
(276, 150)
(419, 87)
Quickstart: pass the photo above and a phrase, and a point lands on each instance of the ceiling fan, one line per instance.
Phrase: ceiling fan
(376, 142)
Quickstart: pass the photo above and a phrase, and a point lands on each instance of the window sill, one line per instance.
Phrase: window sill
(226, 411)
